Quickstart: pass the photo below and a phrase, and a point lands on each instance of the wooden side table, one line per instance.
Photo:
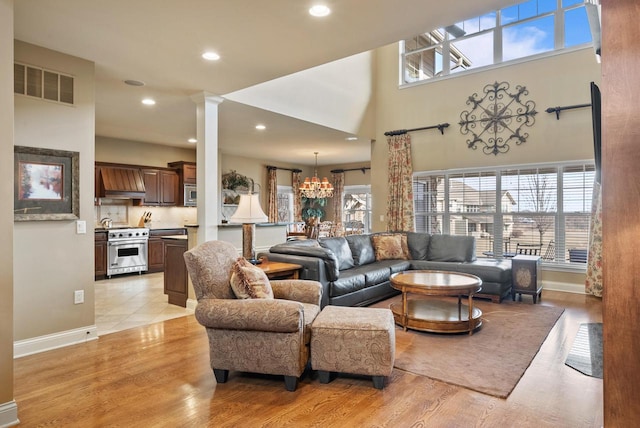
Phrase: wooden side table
(279, 270)
(526, 277)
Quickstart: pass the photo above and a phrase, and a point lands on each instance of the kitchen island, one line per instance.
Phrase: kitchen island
(176, 277)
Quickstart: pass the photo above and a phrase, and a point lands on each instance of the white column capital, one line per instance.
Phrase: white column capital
(202, 97)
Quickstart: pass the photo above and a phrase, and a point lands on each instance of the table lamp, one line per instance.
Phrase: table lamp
(249, 213)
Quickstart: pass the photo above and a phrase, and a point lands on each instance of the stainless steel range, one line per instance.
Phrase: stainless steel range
(127, 250)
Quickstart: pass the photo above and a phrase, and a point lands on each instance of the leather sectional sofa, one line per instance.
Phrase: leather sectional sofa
(353, 273)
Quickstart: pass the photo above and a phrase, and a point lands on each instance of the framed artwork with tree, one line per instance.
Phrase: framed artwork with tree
(46, 184)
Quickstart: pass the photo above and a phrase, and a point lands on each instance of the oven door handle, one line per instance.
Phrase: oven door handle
(121, 243)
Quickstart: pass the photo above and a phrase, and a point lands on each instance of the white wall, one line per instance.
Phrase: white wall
(50, 259)
(337, 95)
(136, 152)
(8, 410)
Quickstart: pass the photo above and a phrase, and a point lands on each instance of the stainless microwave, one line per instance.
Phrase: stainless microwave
(190, 195)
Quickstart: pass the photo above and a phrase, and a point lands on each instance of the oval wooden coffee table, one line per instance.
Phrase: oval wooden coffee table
(436, 315)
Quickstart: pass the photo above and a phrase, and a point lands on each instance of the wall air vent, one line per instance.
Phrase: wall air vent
(41, 83)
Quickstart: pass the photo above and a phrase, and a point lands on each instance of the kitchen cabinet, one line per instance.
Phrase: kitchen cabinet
(176, 277)
(186, 176)
(100, 254)
(161, 187)
(157, 247)
(186, 171)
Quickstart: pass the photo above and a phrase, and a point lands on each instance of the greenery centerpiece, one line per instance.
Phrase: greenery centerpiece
(235, 182)
(313, 209)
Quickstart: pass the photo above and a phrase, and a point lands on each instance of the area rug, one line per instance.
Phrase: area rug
(492, 360)
(586, 352)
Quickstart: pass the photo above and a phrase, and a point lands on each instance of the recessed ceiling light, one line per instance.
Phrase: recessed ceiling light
(148, 101)
(134, 82)
(192, 140)
(260, 127)
(351, 138)
(211, 56)
(319, 10)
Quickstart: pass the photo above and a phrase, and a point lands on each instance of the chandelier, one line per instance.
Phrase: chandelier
(314, 188)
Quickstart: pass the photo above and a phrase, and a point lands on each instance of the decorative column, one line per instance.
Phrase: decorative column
(208, 177)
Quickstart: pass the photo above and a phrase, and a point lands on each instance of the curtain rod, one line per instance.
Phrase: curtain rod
(557, 110)
(270, 167)
(363, 169)
(440, 127)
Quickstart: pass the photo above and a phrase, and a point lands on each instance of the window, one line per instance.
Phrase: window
(285, 204)
(356, 209)
(547, 205)
(522, 30)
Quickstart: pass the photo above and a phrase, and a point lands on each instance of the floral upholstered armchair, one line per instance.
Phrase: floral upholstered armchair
(257, 335)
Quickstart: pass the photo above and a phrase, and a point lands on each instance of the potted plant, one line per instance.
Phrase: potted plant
(232, 180)
(313, 210)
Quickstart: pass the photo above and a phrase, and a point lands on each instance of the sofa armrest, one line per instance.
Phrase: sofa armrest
(273, 315)
(329, 258)
(300, 290)
(313, 268)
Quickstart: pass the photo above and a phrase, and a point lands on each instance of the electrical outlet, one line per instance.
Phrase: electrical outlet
(78, 297)
(81, 227)
(381, 217)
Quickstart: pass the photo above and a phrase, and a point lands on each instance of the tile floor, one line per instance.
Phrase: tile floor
(128, 301)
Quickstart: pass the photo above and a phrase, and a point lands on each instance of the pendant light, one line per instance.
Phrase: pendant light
(314, 188)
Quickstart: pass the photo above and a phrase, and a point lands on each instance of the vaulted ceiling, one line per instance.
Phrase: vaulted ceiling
(160, 44)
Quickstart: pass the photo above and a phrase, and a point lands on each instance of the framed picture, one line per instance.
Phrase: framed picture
(46, 184)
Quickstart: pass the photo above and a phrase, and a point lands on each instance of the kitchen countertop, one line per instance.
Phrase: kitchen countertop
(176, 237)
(104, 229)
(232, 225)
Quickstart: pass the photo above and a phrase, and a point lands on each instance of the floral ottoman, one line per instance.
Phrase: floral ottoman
(353, 340)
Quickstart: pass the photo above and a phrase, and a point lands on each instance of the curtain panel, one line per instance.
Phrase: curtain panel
(272, 203)
(400, 212)
(338, 196)
(297, 201)
(593, 282)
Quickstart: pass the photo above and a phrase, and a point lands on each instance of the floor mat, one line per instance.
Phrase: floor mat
(586, 352)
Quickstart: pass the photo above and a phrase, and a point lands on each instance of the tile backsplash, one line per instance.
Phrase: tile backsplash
(123, 213)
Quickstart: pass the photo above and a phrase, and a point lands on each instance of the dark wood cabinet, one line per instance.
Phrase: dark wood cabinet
(157, 247)
(100, 255)
(176, 279)
(151, 186)
(186, 175)
(526, 276)
(155, 257)
(169, 187)
(189, 173)
(161, 187)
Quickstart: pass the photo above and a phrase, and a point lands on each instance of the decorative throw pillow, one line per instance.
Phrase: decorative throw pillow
(249, 281)
(391, 247)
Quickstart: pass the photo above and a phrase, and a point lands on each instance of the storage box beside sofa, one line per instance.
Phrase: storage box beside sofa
(351, 276)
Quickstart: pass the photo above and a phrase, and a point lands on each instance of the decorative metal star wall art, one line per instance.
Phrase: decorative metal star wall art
(497, 118)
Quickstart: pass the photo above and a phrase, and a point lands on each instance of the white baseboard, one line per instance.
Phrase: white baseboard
(563, 286)
(191, 304)
(22, 348)
(9, 414)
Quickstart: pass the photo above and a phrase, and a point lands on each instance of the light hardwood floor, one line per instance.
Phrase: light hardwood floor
(159, 376)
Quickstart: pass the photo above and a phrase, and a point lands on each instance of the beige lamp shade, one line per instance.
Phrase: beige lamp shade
(249, 210)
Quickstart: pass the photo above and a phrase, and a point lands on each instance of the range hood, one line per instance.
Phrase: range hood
(121, 183)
